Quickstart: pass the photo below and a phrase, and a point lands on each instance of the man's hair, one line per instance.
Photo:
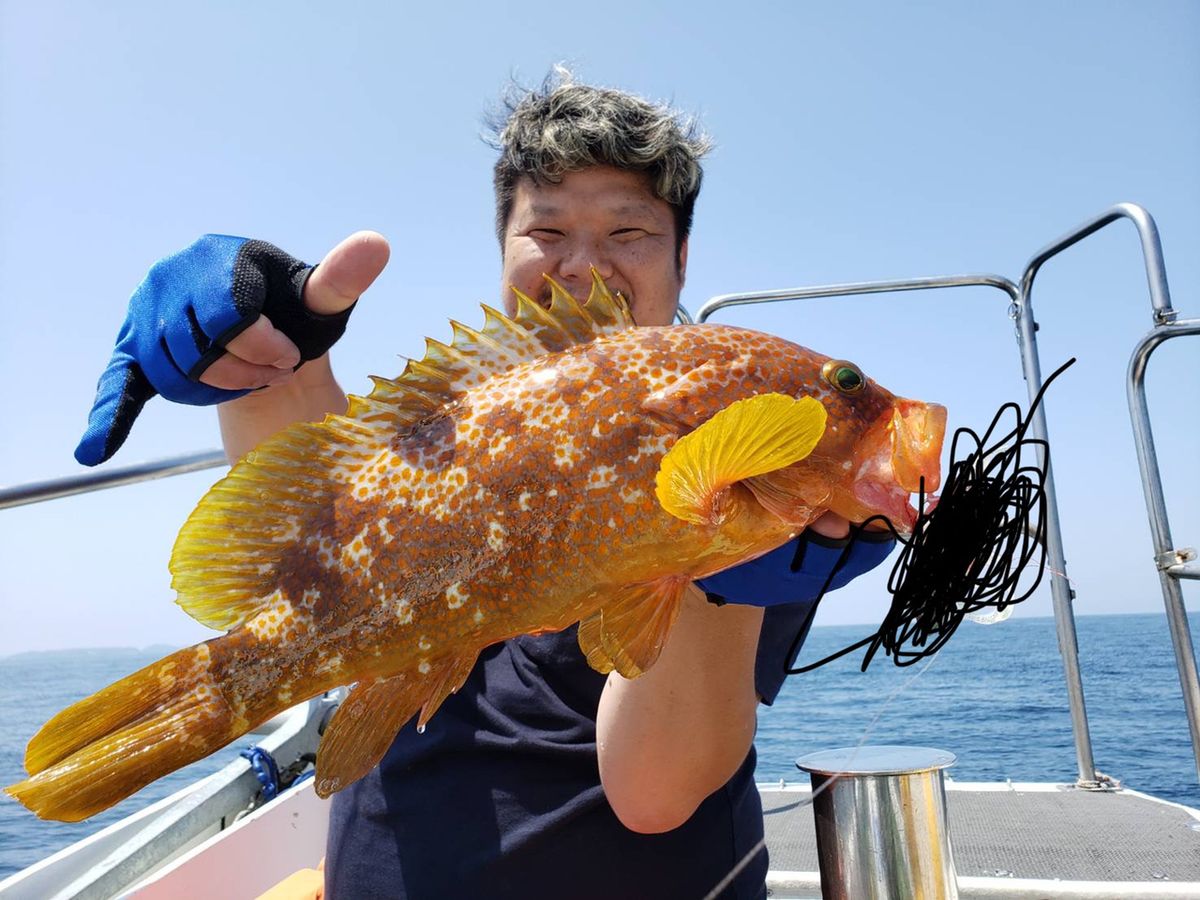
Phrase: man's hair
(564, 127)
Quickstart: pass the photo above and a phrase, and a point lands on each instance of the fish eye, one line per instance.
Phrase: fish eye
(845, 376)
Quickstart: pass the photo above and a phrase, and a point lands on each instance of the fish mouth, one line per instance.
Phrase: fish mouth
(917, 432)
(907, 461)
(897, 504)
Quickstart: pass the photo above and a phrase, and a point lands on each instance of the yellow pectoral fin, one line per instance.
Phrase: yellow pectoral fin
(748, 438)
(629, 633)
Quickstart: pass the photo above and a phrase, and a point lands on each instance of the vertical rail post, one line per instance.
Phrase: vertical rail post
(1160, 300)
(1168, 559)
(1060, 587)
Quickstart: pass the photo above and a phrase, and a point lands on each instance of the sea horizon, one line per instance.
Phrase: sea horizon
(165, 648)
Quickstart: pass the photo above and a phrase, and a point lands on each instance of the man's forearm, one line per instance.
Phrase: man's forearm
(668, 739)
(310, 394)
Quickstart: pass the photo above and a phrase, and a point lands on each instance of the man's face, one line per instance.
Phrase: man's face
(602, 217)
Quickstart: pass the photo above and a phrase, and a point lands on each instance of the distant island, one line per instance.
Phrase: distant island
(75, 653)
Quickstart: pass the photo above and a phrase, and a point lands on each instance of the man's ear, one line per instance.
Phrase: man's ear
(682, 264)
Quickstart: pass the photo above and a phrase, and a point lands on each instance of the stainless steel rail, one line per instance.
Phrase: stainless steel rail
(1173, 564)
(1021, 312)
(96, 480)
(858, 287)
(100, 479)
(1171, 567)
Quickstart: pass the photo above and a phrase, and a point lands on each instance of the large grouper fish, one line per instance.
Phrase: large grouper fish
(557, 467)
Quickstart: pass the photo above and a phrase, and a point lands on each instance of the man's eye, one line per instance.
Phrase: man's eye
(544, 234)
(629, 234)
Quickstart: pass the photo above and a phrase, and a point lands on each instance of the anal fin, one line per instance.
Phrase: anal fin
(361, 731)
(629, 633)
(446, 679)
(368, 720)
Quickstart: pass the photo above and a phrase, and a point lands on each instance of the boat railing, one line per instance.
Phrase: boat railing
(1173, 564)
(109, 477)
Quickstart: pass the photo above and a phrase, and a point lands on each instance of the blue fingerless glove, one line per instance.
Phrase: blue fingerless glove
(181, 317)
(797, 571)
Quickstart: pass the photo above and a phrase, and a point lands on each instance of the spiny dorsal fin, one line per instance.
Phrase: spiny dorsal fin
(225, 561)
(449, 370)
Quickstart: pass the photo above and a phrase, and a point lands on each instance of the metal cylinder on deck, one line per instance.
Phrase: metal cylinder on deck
(882, 830)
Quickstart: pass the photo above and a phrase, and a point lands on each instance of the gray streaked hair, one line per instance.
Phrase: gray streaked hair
(564, 126)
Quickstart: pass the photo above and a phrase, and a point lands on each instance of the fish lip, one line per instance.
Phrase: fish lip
(897, 505)
(905, 463)
(918, 430)
(888, 500)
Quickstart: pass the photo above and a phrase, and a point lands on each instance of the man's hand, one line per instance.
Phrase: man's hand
(797, 571)
(223, 317)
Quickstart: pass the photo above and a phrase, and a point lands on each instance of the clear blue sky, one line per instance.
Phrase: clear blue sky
(854, 141)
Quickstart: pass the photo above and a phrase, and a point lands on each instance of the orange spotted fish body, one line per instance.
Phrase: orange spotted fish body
(559, 467)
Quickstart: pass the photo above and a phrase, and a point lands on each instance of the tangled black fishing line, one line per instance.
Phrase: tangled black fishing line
(969, 551)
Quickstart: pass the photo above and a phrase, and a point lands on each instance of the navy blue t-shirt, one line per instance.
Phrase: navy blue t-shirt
(501, 796)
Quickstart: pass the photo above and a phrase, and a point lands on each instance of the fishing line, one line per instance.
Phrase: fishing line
(966, 553)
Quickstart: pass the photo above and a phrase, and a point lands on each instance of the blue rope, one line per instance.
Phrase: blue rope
(264, 766)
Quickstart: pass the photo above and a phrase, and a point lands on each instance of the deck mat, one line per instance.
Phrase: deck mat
(1067, 834)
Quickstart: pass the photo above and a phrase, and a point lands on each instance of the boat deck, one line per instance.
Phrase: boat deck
(1004, 837)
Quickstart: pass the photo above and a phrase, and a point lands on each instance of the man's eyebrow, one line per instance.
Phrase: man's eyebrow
(634, 209)
(627, 209)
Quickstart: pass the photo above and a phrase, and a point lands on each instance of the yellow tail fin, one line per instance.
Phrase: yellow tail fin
(104, 748)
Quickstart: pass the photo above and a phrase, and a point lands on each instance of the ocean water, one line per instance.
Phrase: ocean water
(35, 686)
(995, 696)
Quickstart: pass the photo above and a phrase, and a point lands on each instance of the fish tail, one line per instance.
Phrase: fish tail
(109, 745)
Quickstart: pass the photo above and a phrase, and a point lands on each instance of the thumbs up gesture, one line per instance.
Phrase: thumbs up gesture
(223, 317)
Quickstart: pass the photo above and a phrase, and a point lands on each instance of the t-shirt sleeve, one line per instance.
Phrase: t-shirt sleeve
(785, 627)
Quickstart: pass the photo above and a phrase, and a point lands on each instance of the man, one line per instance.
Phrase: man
(540, 776)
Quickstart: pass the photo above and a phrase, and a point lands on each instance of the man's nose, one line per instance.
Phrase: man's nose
(580, 256)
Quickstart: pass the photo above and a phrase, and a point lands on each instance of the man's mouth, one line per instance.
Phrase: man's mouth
(545, 296)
